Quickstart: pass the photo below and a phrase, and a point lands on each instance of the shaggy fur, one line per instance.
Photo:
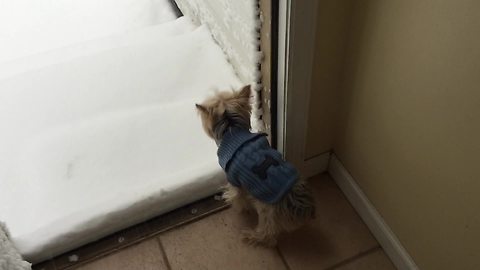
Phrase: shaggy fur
(232, 109)
(10, 259)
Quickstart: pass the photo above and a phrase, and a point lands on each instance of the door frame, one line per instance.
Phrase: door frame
(296, 48)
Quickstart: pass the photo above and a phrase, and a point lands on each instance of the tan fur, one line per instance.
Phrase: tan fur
(214, 108)
(297, 207)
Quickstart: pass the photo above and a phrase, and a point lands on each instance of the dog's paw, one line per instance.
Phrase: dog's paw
(254, 238)
(248, 236)
(230, 194)
(228, 198)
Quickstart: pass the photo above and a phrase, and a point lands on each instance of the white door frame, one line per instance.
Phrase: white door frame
(296, 47)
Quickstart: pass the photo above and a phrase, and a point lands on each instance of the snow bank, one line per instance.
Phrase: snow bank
(30, 26)
(235, 26)
(150, 34)
(95, 143)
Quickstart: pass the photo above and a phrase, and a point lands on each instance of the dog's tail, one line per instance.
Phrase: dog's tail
(298, 205)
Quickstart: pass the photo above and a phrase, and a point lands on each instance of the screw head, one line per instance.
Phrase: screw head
(73, 258)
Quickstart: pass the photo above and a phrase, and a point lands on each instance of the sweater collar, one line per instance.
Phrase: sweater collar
(232, 140)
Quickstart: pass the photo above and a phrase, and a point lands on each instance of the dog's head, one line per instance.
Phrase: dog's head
(225, 109)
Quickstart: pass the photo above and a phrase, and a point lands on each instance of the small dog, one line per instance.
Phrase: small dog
(258, 178)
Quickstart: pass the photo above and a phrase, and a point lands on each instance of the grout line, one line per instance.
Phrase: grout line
(354, 258)
(164, 254)
(283, 258)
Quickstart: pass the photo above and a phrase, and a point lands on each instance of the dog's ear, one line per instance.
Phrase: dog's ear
(201, 108)
(244, 92)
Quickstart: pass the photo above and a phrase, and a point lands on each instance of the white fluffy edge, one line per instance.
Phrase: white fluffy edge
(10, 258)
(382, 232)
(257, 123)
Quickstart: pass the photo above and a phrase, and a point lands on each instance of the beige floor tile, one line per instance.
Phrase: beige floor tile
(377, 260)
(214, 243)
(336, 234)
(144, 256)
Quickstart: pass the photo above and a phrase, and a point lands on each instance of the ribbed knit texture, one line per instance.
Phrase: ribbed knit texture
(251, 163)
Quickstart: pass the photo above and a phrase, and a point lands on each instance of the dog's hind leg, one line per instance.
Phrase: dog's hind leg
(267, 229)
(237, 197)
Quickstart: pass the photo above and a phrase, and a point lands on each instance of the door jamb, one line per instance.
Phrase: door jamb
(296, 48)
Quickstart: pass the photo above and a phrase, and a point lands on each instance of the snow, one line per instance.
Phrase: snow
(28, 26)
(235, 26)
(176, 27)
(101, 135)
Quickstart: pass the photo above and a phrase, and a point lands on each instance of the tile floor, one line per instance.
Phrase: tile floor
(337, 239)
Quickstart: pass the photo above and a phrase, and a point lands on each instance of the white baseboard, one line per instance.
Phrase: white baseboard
(384, 235)
(316, 165)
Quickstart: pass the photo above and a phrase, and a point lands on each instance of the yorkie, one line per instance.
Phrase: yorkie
(258, 177)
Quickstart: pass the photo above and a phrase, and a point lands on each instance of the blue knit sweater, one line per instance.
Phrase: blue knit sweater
(251, 163)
